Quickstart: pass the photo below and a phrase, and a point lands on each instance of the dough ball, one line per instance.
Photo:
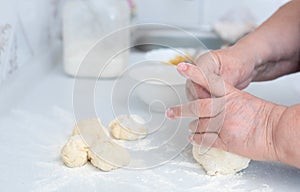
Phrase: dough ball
(128, 127)
(92, 131)
(219, 162)
(103, 153)
(108, 155)
(74, 153)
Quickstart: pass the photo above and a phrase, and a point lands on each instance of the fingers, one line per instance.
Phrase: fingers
(213, 83)
(199, 108)
(205, 133)
(208, 140)
(195, 91)
(206, 125)
(193, 126)
(205, 140)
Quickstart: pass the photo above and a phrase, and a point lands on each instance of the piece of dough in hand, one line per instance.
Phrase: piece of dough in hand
(219, 162)
(128, 127)
(74, 153)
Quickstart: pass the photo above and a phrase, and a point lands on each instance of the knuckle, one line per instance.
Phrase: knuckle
(196, 108)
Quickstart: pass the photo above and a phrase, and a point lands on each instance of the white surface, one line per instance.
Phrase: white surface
(174, 12)
(214, 10)
(34, 130)
(195, 13)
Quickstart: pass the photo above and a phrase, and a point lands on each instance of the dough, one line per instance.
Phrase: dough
(108, 155)
(92, 138)
(128, 127)
(219, 162)
(74, 153)
(104, 153)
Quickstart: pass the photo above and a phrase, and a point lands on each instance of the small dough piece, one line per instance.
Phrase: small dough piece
(128, 127)
(74, 153)
(108, 155)
(219, 162)
(91, 141)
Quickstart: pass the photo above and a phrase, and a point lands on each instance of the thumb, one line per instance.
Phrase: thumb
(212, 82)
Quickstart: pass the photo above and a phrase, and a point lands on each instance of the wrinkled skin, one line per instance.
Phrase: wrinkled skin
(220, 62)
(232, 120)
(236, 121)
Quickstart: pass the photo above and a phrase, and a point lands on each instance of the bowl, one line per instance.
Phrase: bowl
(158, 85)
(171, 56)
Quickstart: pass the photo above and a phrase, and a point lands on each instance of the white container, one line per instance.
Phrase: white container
(96, 40)
(156, 89)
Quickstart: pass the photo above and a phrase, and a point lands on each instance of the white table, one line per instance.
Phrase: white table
(37, 126)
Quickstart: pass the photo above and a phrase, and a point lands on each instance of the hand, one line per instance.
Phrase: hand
(233, 120)
(222, 63)
(263, 54)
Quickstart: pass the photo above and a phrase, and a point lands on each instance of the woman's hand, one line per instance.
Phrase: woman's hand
(269, 52)
(232, 120)
(223, 63)
(236, 121)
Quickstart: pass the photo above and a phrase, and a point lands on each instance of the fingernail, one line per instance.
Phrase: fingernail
(170, 114)
(182, 66)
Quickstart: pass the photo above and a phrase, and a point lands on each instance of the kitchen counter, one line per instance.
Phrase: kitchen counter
(34, 129)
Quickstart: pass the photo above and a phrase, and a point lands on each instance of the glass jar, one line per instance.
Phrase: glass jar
(96, 40)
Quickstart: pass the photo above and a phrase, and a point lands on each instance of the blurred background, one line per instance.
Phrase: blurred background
(44, 42)
(31, 29)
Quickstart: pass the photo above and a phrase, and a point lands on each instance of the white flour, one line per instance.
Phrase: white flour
(35, 140)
